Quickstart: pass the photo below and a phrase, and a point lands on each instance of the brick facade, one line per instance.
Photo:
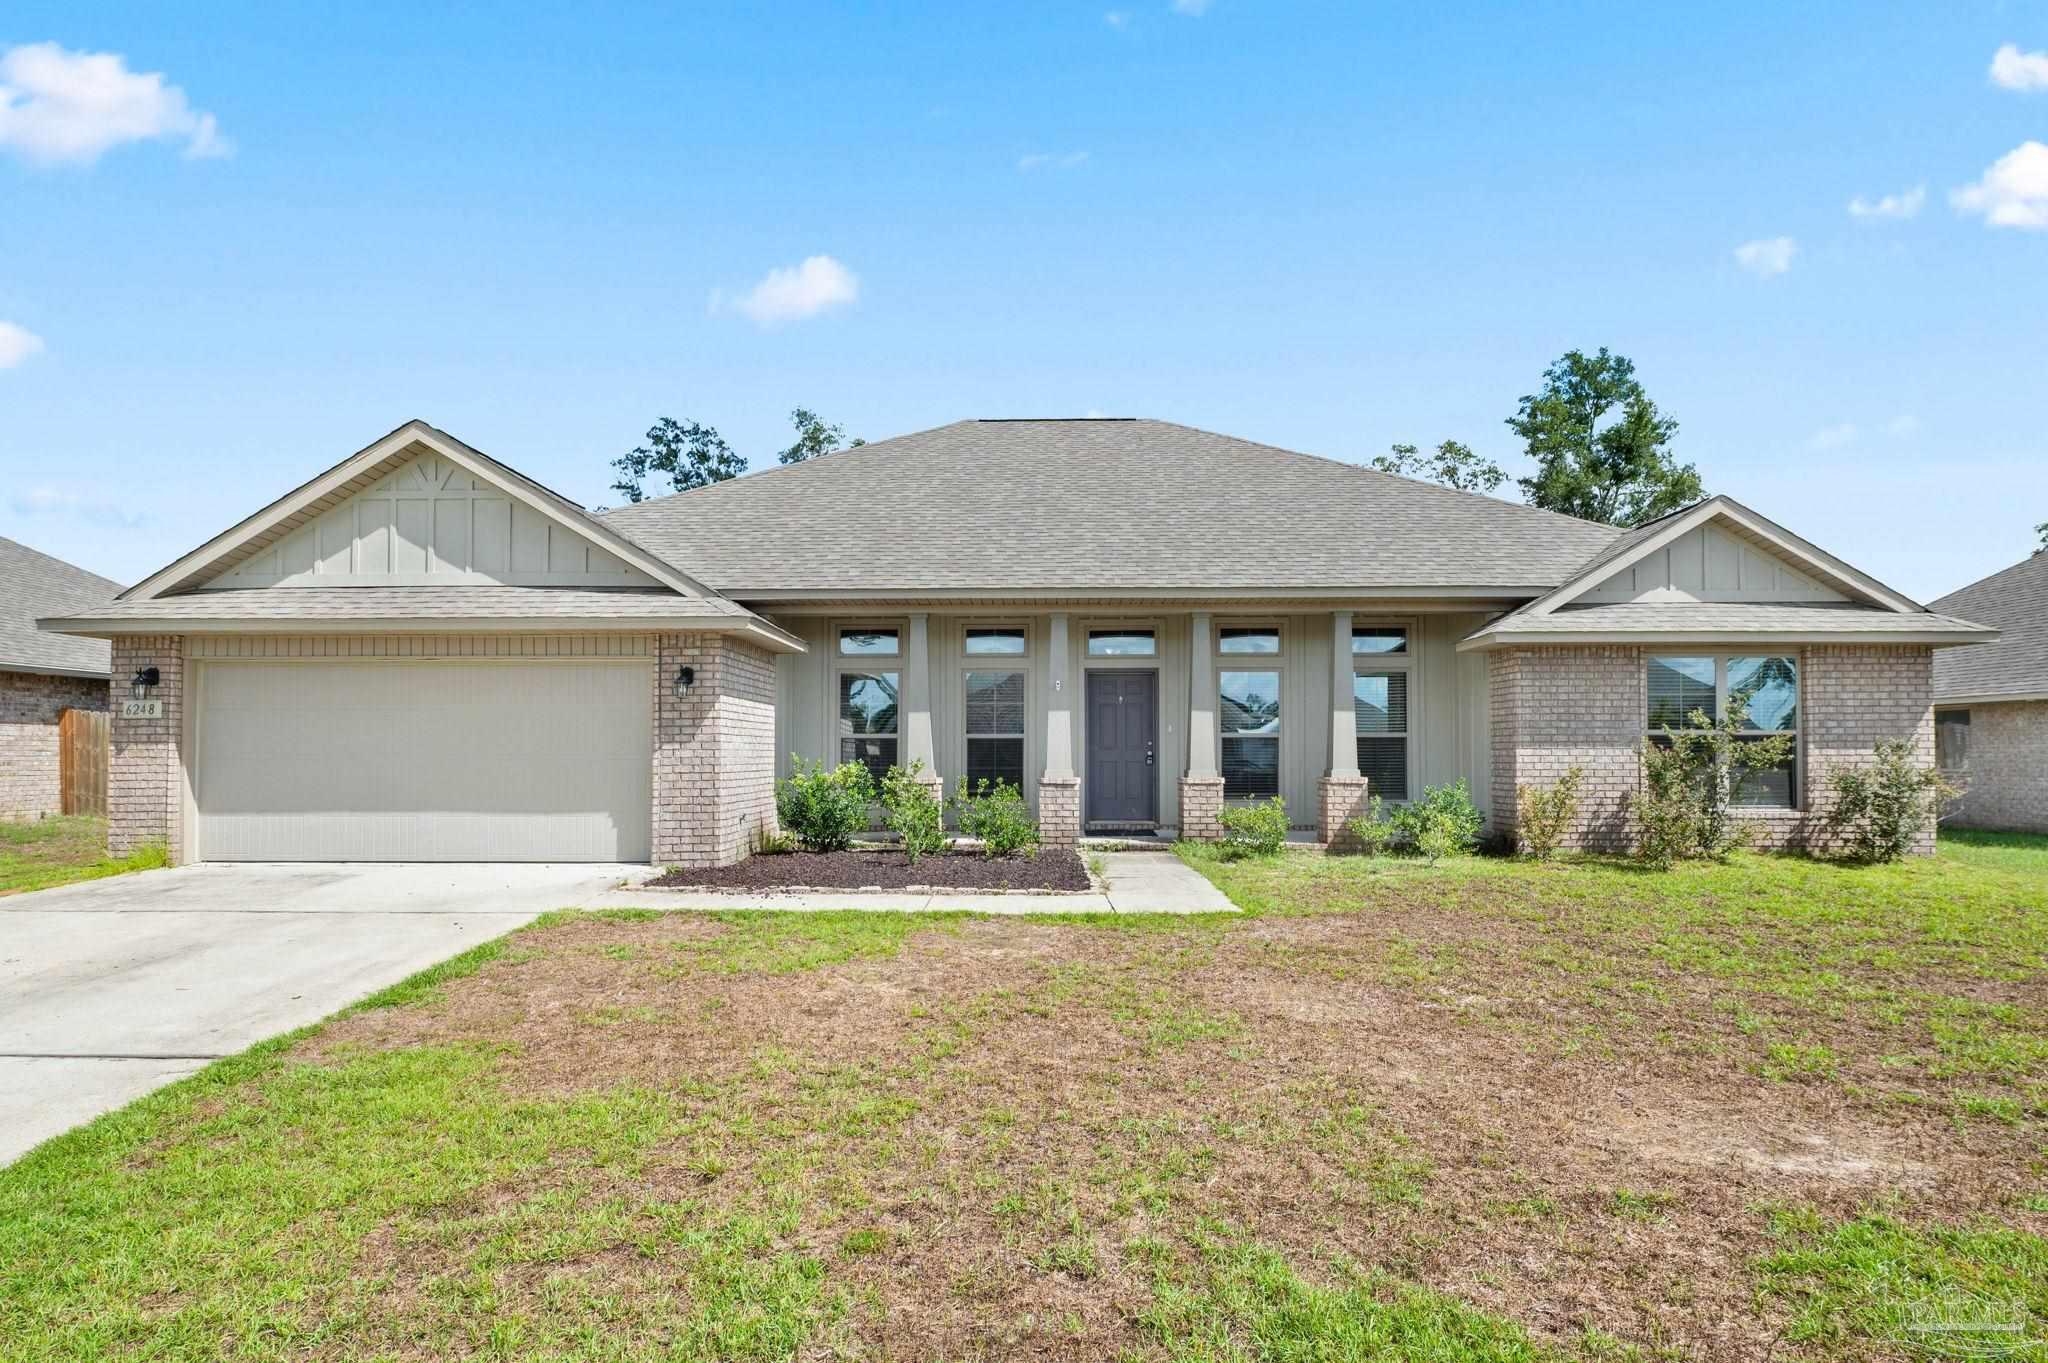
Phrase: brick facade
(2006, 777)
(1339, 800)
(1059, 811)
(30, 706)
(714, 750)
(1551, 708)
(146, 768)
(1201, 807)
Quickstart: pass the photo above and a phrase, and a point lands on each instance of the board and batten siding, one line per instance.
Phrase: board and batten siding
(430, 522)
(1449, 735)
(1708, 563)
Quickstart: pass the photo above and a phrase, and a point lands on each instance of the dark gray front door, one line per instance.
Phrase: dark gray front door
(1123, 736)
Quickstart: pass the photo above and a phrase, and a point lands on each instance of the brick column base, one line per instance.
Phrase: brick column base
(1201, 808)
(1339, 800)
(1059, 811)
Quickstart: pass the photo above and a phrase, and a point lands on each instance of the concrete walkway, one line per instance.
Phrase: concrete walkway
(1133, 882)
(114, 987)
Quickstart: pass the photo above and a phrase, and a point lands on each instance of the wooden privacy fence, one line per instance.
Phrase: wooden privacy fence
(82, 737)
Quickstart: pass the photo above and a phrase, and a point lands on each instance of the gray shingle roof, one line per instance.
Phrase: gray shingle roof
(2016, 603)
(1111, 505)
(343, 604)
(32, 585)
(1818, 619)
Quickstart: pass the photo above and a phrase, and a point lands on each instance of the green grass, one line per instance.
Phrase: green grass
(421, 1177)
(41, 853)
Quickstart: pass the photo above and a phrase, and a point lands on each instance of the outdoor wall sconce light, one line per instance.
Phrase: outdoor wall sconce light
(685, 679)
(143, 682)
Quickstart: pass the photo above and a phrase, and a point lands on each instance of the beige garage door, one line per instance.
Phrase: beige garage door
(423, 761)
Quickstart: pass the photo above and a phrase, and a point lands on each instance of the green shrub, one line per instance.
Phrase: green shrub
(1882, 808)
(1372, 831)
(996, 813)
(1442, 823)
(824, 807)
(1544, 815)
(1686, 806)
(1256, 830)
(912, 809)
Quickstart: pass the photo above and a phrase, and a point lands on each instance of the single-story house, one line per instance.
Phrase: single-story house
(42, 674)
(422, 654)
(1991, 703)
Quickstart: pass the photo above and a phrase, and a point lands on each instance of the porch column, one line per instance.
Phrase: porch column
(1341, 794)
(1059, 789)
(917, 702)
(1201, 790)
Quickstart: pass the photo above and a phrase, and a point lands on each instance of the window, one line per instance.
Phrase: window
(1006, 642)
(1249, 723)
(1766, 689)
(995, 728)
(867, 720)
(1248, 641)
(1379, 639)
(1379, 707)
(1121, 643)
(867, 643)
(1952, 740)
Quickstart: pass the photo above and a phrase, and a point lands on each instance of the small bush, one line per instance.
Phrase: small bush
(1545, 815)
(824, 808)
(911, 809)
(1372, 831)
(996, 813)
(1686, 806)
(772, 842)
(1255, 830)
(1882, 808)
(1442, 823)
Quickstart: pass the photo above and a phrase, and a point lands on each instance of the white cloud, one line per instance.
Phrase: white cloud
(48, 501)
(1832, 437)
(17, 343)
(1194, 9)
(59, 106)
(794, 292)
(1905, 205)
(1903, 426)
(1046, 160)
(2013, 69)
(1118, 18)
(1767, 256)
(2013, 193)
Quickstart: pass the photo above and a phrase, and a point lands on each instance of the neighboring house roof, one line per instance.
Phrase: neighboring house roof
(2016, 667)
(1714, 621)
(1108, 506)
(33, 584)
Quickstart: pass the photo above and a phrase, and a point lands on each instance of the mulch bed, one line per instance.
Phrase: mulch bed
(863, 870)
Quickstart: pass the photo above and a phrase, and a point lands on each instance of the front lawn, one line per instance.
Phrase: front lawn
(37, 854)
(1489, 1111)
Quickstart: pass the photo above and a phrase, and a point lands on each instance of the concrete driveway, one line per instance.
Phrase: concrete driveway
(114, 987)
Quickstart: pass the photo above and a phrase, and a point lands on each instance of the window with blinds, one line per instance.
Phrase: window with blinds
(1248, 721)
(867, 720)
(995, 729)
(1379, 707)
(1763, 690)
(1952, 740)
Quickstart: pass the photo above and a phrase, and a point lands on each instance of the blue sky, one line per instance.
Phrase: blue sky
(1329, 227)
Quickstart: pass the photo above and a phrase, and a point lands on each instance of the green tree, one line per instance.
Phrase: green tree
(1602, 449)
(689, 453)
(814, 437)
(2042, 531)
(1451, 463)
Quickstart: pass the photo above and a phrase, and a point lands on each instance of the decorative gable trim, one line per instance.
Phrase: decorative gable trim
(1759, 530)
(362, 470)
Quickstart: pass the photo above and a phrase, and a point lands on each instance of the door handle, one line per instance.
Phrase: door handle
(1148, 754)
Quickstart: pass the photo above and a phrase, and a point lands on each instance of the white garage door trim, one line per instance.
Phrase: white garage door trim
(429, 759)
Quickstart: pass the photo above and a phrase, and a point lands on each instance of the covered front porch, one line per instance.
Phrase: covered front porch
(1123, 720)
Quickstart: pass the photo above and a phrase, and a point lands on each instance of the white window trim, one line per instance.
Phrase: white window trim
(1278, 629)
(1256, 662)
(1798, 731)
(1152, 659)
(865, 664)
(996, 662)
(901, 628)
(1409, 661)
(1021, 626)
